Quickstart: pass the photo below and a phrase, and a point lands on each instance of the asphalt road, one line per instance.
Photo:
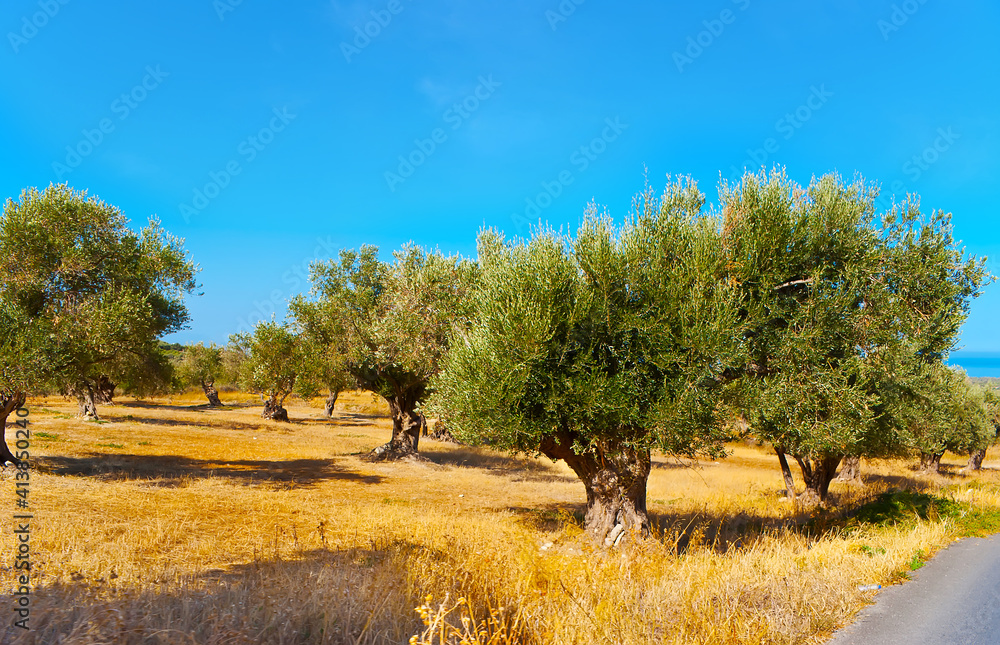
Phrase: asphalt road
(953, 599)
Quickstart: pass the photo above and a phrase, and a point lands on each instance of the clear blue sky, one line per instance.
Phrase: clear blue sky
(287, 118)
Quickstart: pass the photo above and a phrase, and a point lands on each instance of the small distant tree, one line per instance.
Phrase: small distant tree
(950, 415)
(199, 365)
(389, 324)
(95, 294)
(231, 359)
(991, 413)
(153, 374)
(327, 367)
(598, 348)
(835, 301)
(274, 361)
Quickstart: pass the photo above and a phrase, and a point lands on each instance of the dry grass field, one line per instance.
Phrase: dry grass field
(169, 522)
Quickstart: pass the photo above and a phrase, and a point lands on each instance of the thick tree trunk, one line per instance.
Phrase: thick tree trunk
(331, 401)
(273, 409)
(817, 474)
(930, 463)
(85, 398)
(615, 481)
(786, 474)
(104, 390)
(211, 394)
(9, 403)
(976, 460)
(405, 432)
(850, 471)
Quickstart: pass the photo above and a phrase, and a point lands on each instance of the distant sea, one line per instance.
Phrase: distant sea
(977, 363)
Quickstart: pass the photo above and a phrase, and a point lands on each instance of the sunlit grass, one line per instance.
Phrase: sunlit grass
(215, 526)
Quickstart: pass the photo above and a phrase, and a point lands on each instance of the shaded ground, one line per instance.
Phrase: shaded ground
(172, 469)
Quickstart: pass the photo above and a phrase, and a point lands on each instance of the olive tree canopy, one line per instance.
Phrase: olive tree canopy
(84, 297)
(845, 310)
(597, 348)
(389, 324)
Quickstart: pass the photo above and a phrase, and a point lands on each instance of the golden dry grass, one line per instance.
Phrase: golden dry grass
(172, 522)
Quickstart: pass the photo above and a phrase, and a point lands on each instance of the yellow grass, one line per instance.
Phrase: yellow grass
(176, 523)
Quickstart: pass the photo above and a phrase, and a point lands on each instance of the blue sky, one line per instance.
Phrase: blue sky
(268, 136)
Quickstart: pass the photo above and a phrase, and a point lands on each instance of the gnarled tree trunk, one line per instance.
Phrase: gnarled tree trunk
(86, 399)
(615, 480)
(405, 432)
(817, 474)
(930, 462)
(331, 401)
(976, 460)
(9, 403)
(104, 390)
(273, 409)
(211, 394)
(850, 470)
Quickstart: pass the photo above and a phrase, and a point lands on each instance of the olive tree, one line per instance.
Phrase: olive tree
(950, 414)
(388, 323)
(839, 304)
(990, 399)
(90, 290)
(597, 348)
(198, 365)
(274, 361)
(328, 367)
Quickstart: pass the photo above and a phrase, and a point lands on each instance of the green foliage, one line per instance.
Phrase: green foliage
(82, 295)
(386, 324)
(948, 413)
(274, 359)
(198, 365)
(844, 311)
(619, 336)
(906, 508)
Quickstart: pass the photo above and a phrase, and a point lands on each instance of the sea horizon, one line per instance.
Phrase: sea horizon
(977, 363)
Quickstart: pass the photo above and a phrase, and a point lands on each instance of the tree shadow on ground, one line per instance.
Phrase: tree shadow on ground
(291, 594)
(520, 469)
(157, 421)
(916, 482)
(174, 471)
(344, 420)
(347, 419)
(681, 531)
